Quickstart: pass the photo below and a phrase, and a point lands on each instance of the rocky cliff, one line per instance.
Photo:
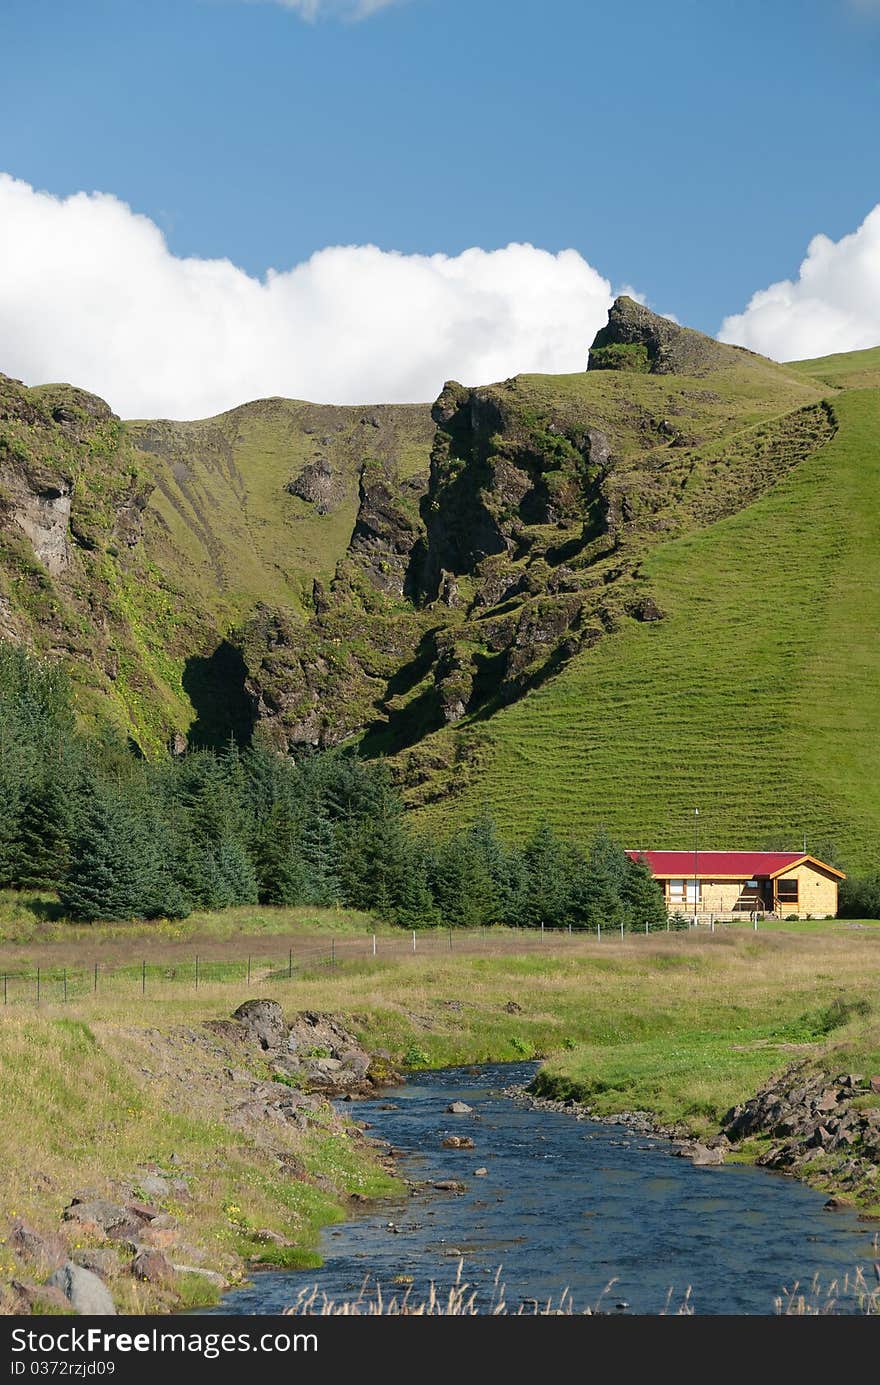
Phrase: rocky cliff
(317, 574)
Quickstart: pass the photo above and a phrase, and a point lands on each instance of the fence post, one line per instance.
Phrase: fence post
(599, 932)
(647, 927)
(249, 969)
(756, 923)
(333, 952)
(450, 940)
(569, 930)
(144, 977)
(542, 930)
(197, 971)
(414, 939)
(667, 923)
(374, 944)
(38, 985)
(95, 981)
(621, 932)
(712, 924)
(289, 963)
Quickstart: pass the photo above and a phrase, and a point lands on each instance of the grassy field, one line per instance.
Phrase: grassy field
(755, 699)
(38, 918)
(681, 1025)
(78, 1114)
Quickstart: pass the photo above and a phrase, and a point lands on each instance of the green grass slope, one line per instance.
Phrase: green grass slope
(755, 700)
(222, 526)
(846, 370)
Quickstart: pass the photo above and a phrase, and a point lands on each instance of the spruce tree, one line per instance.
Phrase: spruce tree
(282, 876)
(642, 895)
(381, 869)
(40, 848)
(102, 881)
(319, 853)
(462, 884)
(600, 900)
(548, 886)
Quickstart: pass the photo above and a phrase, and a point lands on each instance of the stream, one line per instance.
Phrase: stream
(568, 1204)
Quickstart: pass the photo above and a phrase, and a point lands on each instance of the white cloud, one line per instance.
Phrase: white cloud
(833, 305)
(342, 9)
(91, 294)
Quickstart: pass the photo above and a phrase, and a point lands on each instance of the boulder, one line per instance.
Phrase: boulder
(38, 1298)
(458, 1142)
(145, 1210)
(449, 1185)
(264, 1021)
(47, 1250)
(151, 1266)
(86, 1293)
(110, 1217)
(701, 1154)
(459, 1108)
(153, 1185)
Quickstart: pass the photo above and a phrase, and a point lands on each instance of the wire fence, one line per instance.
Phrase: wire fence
(26, 983)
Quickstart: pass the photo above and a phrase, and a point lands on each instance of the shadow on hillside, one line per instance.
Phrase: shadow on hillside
(223, 707)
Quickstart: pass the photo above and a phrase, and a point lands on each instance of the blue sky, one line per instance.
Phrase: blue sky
(691, 149)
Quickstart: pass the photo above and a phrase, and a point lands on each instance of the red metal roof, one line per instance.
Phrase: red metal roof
(739, 865)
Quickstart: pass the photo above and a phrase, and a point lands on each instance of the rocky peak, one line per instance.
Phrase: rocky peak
(637, 340)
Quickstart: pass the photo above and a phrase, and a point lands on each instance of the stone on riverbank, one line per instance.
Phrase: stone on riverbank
(84, 1291)
(701, 1154)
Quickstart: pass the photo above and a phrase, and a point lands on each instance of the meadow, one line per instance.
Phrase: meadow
(682, 1025)
(754, 700)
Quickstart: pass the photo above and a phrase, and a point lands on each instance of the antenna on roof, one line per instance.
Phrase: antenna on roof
(805, 843)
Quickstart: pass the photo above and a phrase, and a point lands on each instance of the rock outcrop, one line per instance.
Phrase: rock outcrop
(315, 1050)
(816, 1124)
(637, 339)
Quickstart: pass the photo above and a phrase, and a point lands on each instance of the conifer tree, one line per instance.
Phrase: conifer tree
(642, 895)
(102, 882)
(40, 848)
(548, 881)
(600, 899)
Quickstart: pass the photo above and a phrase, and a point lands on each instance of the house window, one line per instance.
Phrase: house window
(787, 891)
(684, 892)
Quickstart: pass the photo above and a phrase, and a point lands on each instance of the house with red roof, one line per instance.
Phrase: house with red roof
(783, 883)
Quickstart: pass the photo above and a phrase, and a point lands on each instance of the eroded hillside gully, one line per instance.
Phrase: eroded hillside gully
(570, 1210)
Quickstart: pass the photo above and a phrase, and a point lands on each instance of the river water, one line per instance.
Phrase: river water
(569, 1204)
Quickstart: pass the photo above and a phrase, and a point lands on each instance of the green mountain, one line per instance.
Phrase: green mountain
(604, 597)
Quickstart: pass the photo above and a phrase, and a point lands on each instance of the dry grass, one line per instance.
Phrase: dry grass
(459, 1300)
(684, 1025)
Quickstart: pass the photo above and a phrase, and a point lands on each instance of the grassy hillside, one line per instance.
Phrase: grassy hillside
(849, 370)
(755, 700)
(602, 597)
(221, 524)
